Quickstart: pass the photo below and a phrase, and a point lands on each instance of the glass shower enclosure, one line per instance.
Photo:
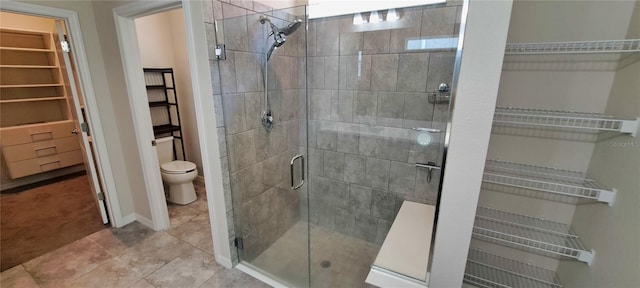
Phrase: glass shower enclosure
(331, 124)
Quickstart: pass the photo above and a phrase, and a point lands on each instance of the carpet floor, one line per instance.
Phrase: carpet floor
(42, 219)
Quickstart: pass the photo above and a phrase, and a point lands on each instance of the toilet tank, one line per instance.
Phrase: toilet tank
(164, 148)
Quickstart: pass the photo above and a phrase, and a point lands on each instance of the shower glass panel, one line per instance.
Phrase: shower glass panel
(378, 87)
(263, 134)
(365, 99)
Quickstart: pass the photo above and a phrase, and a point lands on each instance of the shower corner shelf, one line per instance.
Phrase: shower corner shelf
(566, 119)
(545, 179)
(488, 270)
(574, 47)
(531, 233)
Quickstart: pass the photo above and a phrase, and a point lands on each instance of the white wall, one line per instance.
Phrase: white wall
(471, 125)
(556, 89)
(613, 232)
(162, 44)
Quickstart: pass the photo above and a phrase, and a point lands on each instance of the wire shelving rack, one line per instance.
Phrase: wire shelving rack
(574, 47)
(565, 119)
(486, 270)
(529, 232)
(545, 179)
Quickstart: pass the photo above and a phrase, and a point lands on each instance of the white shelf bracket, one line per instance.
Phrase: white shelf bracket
(631, 126)
(587, 256)
(607, 196)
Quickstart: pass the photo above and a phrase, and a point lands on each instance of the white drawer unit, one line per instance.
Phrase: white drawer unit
(43, 164)
(38, 148)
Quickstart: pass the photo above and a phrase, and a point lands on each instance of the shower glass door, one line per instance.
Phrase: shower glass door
(353, 126)
(265, 136)
(378, 87)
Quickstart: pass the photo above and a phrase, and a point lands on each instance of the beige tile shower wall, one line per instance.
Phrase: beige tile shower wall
(366, 91)
(256, 163)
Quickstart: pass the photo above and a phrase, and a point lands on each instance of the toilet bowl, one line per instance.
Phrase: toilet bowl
(179, 175)
(176, 174)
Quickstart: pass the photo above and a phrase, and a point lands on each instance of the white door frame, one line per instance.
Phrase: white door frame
(202, 93)
(91, 106)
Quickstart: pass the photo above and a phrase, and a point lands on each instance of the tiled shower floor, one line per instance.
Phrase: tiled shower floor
(350, 258)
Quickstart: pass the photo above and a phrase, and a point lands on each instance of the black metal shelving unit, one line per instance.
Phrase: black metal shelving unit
(162, 79)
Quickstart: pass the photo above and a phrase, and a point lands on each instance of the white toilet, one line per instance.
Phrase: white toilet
(177, 174)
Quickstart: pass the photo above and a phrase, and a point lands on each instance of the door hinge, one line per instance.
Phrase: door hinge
(221, 52)
(153, 142)
(238, 243)
(84, 127)
(65, 46)
(101, 196)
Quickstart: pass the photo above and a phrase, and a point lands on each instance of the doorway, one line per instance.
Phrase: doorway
(51, 188)
(164, 61)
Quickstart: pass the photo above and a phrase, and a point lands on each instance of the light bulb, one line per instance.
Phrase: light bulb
(374, 17)
(392, 15)
(358, 19)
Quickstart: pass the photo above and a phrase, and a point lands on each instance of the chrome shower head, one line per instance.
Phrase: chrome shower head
(279, 34)
(291, 27)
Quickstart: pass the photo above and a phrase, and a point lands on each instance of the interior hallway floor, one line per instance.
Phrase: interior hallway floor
(136, 256)
(44, 218)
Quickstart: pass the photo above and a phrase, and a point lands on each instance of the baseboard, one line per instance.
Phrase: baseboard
(144, 221)
(258, 275)
(199, 180)
(126, 220)
(224, 261)
(40, 179)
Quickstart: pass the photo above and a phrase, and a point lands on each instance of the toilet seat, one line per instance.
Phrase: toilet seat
(178, 167)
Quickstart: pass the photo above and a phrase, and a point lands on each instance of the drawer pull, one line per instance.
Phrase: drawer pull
(35, 137)
(50, 165)
(46, 151)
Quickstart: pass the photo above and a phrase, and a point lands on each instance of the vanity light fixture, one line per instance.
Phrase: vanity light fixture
(358, 19)
(374, 17)
(392, 15)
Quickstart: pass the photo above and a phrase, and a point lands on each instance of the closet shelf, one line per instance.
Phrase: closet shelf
(31, 85)
(27, 49)
(491, 271)
(564, 119)
(29, 66)
(529, 232)
(576, 47)
(550, 180)
(32, 100)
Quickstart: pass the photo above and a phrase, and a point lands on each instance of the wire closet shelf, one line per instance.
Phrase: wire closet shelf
(565, 119)
(575, 47)
(545, 179)
(529, 232)
(490, 271)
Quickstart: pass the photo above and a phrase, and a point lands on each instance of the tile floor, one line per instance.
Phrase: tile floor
(350, 258)
(135, 256)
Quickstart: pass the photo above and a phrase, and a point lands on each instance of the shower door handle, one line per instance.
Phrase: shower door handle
(430, 167)
(293, 160)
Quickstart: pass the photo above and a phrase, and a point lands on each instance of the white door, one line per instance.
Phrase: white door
(81, 127)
